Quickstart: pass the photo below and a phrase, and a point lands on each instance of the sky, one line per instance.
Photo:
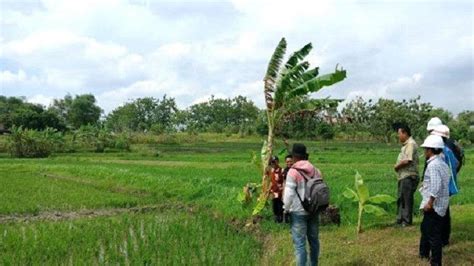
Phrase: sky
(189, 50)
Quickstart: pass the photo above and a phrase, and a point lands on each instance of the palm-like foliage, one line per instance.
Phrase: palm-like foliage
(286, 89)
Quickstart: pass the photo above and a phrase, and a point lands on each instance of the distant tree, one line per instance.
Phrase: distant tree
(144, 114)
(378, 118)
(17, 112)
(84, 111)
(462, 128)
(78, 111)
(216, 115)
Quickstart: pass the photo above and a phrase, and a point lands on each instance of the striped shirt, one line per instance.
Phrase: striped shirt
(435, 184)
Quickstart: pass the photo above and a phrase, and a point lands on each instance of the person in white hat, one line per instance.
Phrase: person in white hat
(451, 153)
(435, 200)
(434, 122)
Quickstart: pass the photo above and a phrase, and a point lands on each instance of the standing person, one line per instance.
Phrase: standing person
(451, 153)
(289, 163)
(435, 200)
(407, 170)
(276, 189)
(304, 227)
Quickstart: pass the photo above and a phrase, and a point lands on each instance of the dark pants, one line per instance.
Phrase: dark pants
(431, 228)
(446, 229)
(278, 209)
(406, 191)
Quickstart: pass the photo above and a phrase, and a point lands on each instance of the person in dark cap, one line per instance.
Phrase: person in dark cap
(304, 227)
(276, 188)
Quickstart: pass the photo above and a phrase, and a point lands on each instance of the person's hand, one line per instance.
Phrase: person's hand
(428, 208)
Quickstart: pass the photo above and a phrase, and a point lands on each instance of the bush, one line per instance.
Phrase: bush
(28, 143)
(325, 131)
(98, 139)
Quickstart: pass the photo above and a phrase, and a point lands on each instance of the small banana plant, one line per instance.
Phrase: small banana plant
(366, 202)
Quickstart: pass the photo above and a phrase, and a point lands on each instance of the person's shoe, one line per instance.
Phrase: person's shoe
(406, 224)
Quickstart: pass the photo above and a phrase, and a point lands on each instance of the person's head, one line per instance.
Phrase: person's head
(434, 122)
(289, 161)
(404, 133)
(441, 130)
(433, 146)
(274, 161)
(299, 152)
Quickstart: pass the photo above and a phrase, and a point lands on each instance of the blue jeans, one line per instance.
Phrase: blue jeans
(305, 227)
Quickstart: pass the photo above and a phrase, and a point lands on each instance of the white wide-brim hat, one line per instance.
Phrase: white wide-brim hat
(433, 141)
(441, 130)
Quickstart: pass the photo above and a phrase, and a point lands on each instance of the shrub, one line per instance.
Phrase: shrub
(28, 143)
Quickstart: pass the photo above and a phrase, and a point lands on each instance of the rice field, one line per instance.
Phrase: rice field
(176, 204)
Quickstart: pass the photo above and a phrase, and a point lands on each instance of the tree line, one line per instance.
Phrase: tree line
(359, 119)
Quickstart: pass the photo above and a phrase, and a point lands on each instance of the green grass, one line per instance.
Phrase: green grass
(207, 176)
(146, 239)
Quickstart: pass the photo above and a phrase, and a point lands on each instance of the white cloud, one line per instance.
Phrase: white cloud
(10, 77)
(120, 50)
(41, 99)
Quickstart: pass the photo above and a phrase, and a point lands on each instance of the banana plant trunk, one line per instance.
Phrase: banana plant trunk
(359, 221)
(266, 159)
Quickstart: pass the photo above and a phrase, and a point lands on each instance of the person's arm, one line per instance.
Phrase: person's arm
(429, 205)
(408, 158)
(290, 191)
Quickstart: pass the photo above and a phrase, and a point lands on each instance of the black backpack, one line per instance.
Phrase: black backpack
(458, 152)
(316, 197)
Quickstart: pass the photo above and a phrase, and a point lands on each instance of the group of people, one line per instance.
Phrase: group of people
(439, 181)
(444, 159)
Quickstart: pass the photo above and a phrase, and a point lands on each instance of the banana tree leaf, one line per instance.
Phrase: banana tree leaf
(369, 208)
(310, 74)
(272, 73)
(315, 84)
(275, 61)
(381, 198)
(358, 180)
(260, 206)
(289, 80)
(283, 152)
(363, 192)
(298, 55)
(350, 194)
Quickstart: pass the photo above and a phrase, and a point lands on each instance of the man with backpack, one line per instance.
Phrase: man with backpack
(304, 221)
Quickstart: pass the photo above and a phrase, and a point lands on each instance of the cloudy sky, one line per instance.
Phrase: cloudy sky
(189, 50)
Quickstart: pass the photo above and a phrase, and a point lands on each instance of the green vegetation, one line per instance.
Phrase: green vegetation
(366, 202)
(166, 238)
(191, 184)
(296, 114)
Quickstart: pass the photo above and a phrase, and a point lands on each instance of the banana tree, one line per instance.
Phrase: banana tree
(366, 202)
(287, 87)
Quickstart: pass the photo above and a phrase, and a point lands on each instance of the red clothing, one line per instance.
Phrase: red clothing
(278, 182)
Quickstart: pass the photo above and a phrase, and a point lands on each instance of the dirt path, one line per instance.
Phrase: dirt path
(87, 213)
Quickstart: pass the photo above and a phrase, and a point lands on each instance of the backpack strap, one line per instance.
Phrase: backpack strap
(305, 180)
